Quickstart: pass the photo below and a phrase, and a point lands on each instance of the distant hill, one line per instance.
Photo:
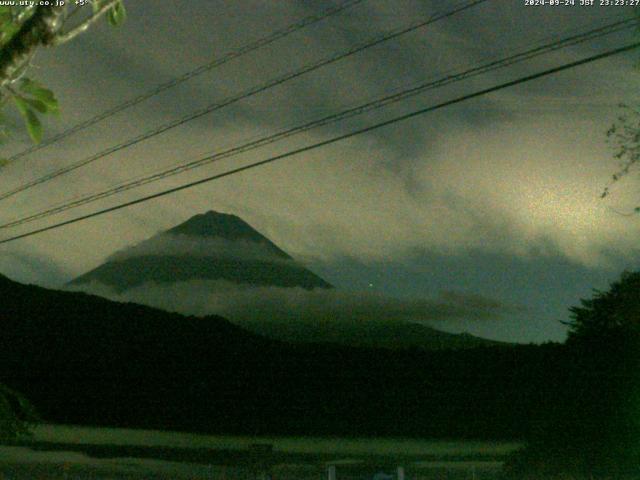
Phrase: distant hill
(221, 247)
(395, 335)
(211, 246)
(86, 360)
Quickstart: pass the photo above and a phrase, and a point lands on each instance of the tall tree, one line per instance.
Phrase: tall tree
(614, 314)
(594, 428)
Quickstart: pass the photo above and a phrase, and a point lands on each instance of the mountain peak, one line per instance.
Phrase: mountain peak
(217, 224)
(208, 246)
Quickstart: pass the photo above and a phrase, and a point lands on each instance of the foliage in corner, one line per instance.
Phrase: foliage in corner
(624, 138)
(614, 313)
(624, 135)
(17, 415)
(117, 14)
(593, 428)
(30, 98)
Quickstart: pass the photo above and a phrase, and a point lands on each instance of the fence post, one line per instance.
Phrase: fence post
(331, 472)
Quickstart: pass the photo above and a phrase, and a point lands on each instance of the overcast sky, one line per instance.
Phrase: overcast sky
(497, 196)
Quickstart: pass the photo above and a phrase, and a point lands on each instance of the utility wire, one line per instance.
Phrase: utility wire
(216, 62)
(348, 113)
(241, 96)
(330, 141)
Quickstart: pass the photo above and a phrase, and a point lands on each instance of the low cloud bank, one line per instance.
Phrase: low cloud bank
(249, 305)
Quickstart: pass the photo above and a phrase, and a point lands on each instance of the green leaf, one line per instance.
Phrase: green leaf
(34, 127)
(39, 92)
(7, 31)
(117, 15)
(37, 104)
(21, 103)
(43, 99)
(5, 18)
(4, 132)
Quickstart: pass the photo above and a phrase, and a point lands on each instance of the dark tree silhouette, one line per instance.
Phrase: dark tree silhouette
(594, 427)
(614, 314)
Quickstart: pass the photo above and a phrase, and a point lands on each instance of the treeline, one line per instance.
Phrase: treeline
(81, 359)
(592, 429)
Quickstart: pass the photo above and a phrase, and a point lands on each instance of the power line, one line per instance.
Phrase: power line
(330, 141)
(348, 113)
(216, 62)
(241, 96)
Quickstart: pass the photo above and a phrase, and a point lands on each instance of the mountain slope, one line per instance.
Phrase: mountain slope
(193, 258)
(211, 246)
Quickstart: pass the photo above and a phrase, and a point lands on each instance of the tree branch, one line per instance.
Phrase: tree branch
(40, 29)
(24, 14)
(65, 37)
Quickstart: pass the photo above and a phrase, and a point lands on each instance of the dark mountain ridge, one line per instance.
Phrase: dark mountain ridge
(390, 334)
(82, 359)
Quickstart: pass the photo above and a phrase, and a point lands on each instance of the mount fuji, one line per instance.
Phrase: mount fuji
(217, 264)
(210, 246)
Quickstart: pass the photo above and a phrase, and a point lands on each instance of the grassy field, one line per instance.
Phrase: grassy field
(58, 451)
(300, 445)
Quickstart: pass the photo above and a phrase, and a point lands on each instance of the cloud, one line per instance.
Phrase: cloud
(186, 245)
(485, 176)
(31, 268)
(296, 306)
(481, 304)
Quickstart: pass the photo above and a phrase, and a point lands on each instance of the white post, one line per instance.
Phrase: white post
(331, 472)
(400, 473)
